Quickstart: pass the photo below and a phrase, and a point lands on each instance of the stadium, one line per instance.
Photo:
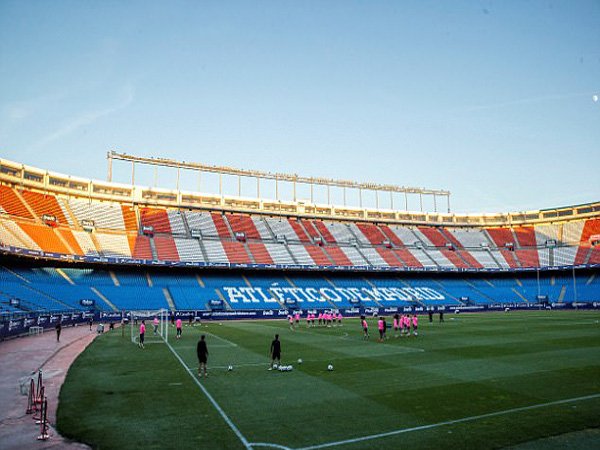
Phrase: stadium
(306, 225)
(75, 249)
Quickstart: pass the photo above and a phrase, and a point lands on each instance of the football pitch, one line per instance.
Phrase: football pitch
(486, 380)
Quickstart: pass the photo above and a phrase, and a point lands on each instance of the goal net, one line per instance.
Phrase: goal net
(157, 325)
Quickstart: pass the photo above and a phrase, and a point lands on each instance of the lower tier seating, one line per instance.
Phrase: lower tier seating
(62, 289)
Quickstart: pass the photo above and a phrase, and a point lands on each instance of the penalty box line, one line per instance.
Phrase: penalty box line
(449, 422)
(210, 398)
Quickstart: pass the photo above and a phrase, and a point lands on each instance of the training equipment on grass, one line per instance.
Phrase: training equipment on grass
(162, 332)
(330, 367)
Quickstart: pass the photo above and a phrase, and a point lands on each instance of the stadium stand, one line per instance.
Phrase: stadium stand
(243, 224)
(156, 218)
(260, 253)
(108, 215)
(141, 247)
(12, 204)
(487, 263)
(188, 249)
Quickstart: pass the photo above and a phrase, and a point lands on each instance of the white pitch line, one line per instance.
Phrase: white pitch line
(449, 422)
(266, 444)
(233, 344)
(212, 400)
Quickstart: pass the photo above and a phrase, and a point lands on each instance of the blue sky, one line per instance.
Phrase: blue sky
(491, 100)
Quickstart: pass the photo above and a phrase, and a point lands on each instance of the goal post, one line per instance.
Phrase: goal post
(158, 334)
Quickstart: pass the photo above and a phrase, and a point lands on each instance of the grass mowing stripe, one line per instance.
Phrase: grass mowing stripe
(211, 399)
(449, 422)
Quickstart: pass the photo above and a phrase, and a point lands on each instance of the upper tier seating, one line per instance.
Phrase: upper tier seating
(591, 227)
(189, 250)
(432, 236)
(176, 222)
(525, 236)
(304, 230)
(260, 253)
(141, 248)
(323, 230)
(478, 258)
(236, 252)
(281, 240)
(10, 203)
(355, 256)
(86, 243)
(374, 258)
(202, 222)
(156, 218)
(544, 233)
(215, 252)
(12, 231)
(279, 254)
(45, 238)
(263, 229)
(470, 238)
(114, 245)
(166, 248)
(369, 233)
(243, 224)
(104, 214)
(221, 225)
(301, 255)
(281, 227)
(340, 233)
(45, 204)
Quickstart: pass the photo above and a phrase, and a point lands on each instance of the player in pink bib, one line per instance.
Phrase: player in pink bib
(142, 334)
(365, 327)
(155, 324)
(407, 325)
(178, 328)
(415, 324)
(380, 328)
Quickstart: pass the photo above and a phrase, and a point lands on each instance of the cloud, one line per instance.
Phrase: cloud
(87, 118)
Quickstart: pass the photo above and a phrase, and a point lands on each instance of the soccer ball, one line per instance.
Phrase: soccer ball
(290, 367)
(330, 367)
(275, 366)
(229, 368)
(299, 360)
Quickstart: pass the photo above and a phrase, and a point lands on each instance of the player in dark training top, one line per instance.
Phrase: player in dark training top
(275, 351)
(202, 352)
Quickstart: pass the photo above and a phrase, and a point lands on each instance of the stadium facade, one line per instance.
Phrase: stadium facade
(75, 246)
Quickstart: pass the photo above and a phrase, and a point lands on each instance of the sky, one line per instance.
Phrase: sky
(491, 100)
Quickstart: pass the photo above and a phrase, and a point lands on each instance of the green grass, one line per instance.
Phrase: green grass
(118, 396)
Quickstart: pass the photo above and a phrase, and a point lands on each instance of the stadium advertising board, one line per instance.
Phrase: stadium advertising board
(15, 326)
